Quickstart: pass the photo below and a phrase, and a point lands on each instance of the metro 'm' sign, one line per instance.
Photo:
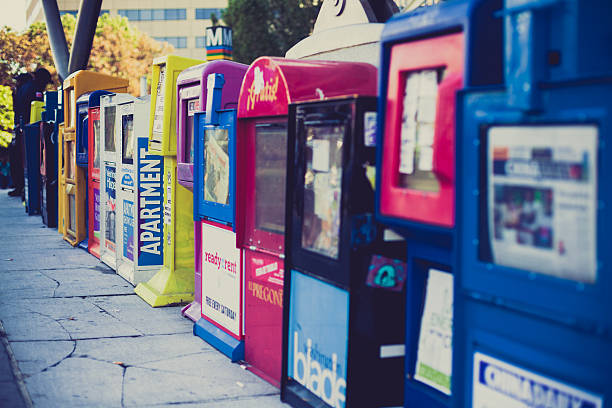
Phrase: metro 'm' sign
(218, 43)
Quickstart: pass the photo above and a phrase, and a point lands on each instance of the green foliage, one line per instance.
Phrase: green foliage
(268, 27)
(117, 49)
(6, 116)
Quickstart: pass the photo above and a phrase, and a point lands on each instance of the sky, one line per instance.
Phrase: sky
(13, 14)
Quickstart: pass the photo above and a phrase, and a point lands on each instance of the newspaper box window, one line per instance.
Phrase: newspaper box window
(541, 200)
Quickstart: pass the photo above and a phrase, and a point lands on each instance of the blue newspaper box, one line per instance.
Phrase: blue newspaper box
(31, 174)
(214, 181)
(82, 128)
(427, 56)
(48, 158)
(533, 324)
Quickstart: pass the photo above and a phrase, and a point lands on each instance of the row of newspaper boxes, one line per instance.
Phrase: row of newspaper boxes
(428, 234)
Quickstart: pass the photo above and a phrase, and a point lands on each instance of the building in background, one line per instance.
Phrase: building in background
(182, 23)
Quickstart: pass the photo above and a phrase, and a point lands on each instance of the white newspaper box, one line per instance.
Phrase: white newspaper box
(109, 128)
(139, 195)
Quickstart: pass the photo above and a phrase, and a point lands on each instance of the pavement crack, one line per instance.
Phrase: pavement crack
(74, 344)
(123, 386)
(57, 283)
(112, 315)
(179, 356)
(213, 400)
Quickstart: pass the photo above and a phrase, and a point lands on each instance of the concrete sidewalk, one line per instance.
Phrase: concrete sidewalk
(80, 337)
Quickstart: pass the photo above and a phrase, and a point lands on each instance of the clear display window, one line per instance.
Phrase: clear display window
(193, 106)
(96, 143)
(323, 189)
(541, 202)
(127, 136)
(109, 128)
(71, 212)
(72, 108)
(216, 165)
(270, 176)
(83, 124)
(71, 160)
(417, 130)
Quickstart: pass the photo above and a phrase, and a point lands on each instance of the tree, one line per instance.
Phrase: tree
(6, 116)
(268, 27)
(118, 49)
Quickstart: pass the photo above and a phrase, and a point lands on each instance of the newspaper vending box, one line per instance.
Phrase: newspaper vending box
(75, 192)
(109, 132)
(221, 288)
(93, 151)
(31, 164)
(534, 261)
(48, 158)
(139, 195)
(427, 57)
(191, 98)
(173, 283)
(268, 88)
(61, 180)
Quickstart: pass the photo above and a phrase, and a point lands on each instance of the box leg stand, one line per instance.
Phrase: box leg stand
(174, 283)
(193, 310)
(231, 347)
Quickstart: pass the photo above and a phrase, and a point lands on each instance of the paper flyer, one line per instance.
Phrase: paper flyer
(418, 118)
(158, 119)
(216, 172)
(434, 356)
(542, 199)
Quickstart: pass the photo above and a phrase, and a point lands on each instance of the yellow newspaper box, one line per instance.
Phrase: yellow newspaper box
(61, 180)
(174, 283)
(74, 191)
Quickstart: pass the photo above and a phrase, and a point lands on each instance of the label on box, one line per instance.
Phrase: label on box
(434, 356)
(320, 155)
(386, 273)
(221, 280)
(502, 385)
(110, 206)
(96, 214)
(158, 118)
(128, 229)
(369, 129)
(267, 271)
(150, 211)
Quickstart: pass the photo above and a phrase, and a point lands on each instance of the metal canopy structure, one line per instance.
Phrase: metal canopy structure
(87, 18)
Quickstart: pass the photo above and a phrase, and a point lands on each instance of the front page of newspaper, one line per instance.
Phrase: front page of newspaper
(542, 199)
